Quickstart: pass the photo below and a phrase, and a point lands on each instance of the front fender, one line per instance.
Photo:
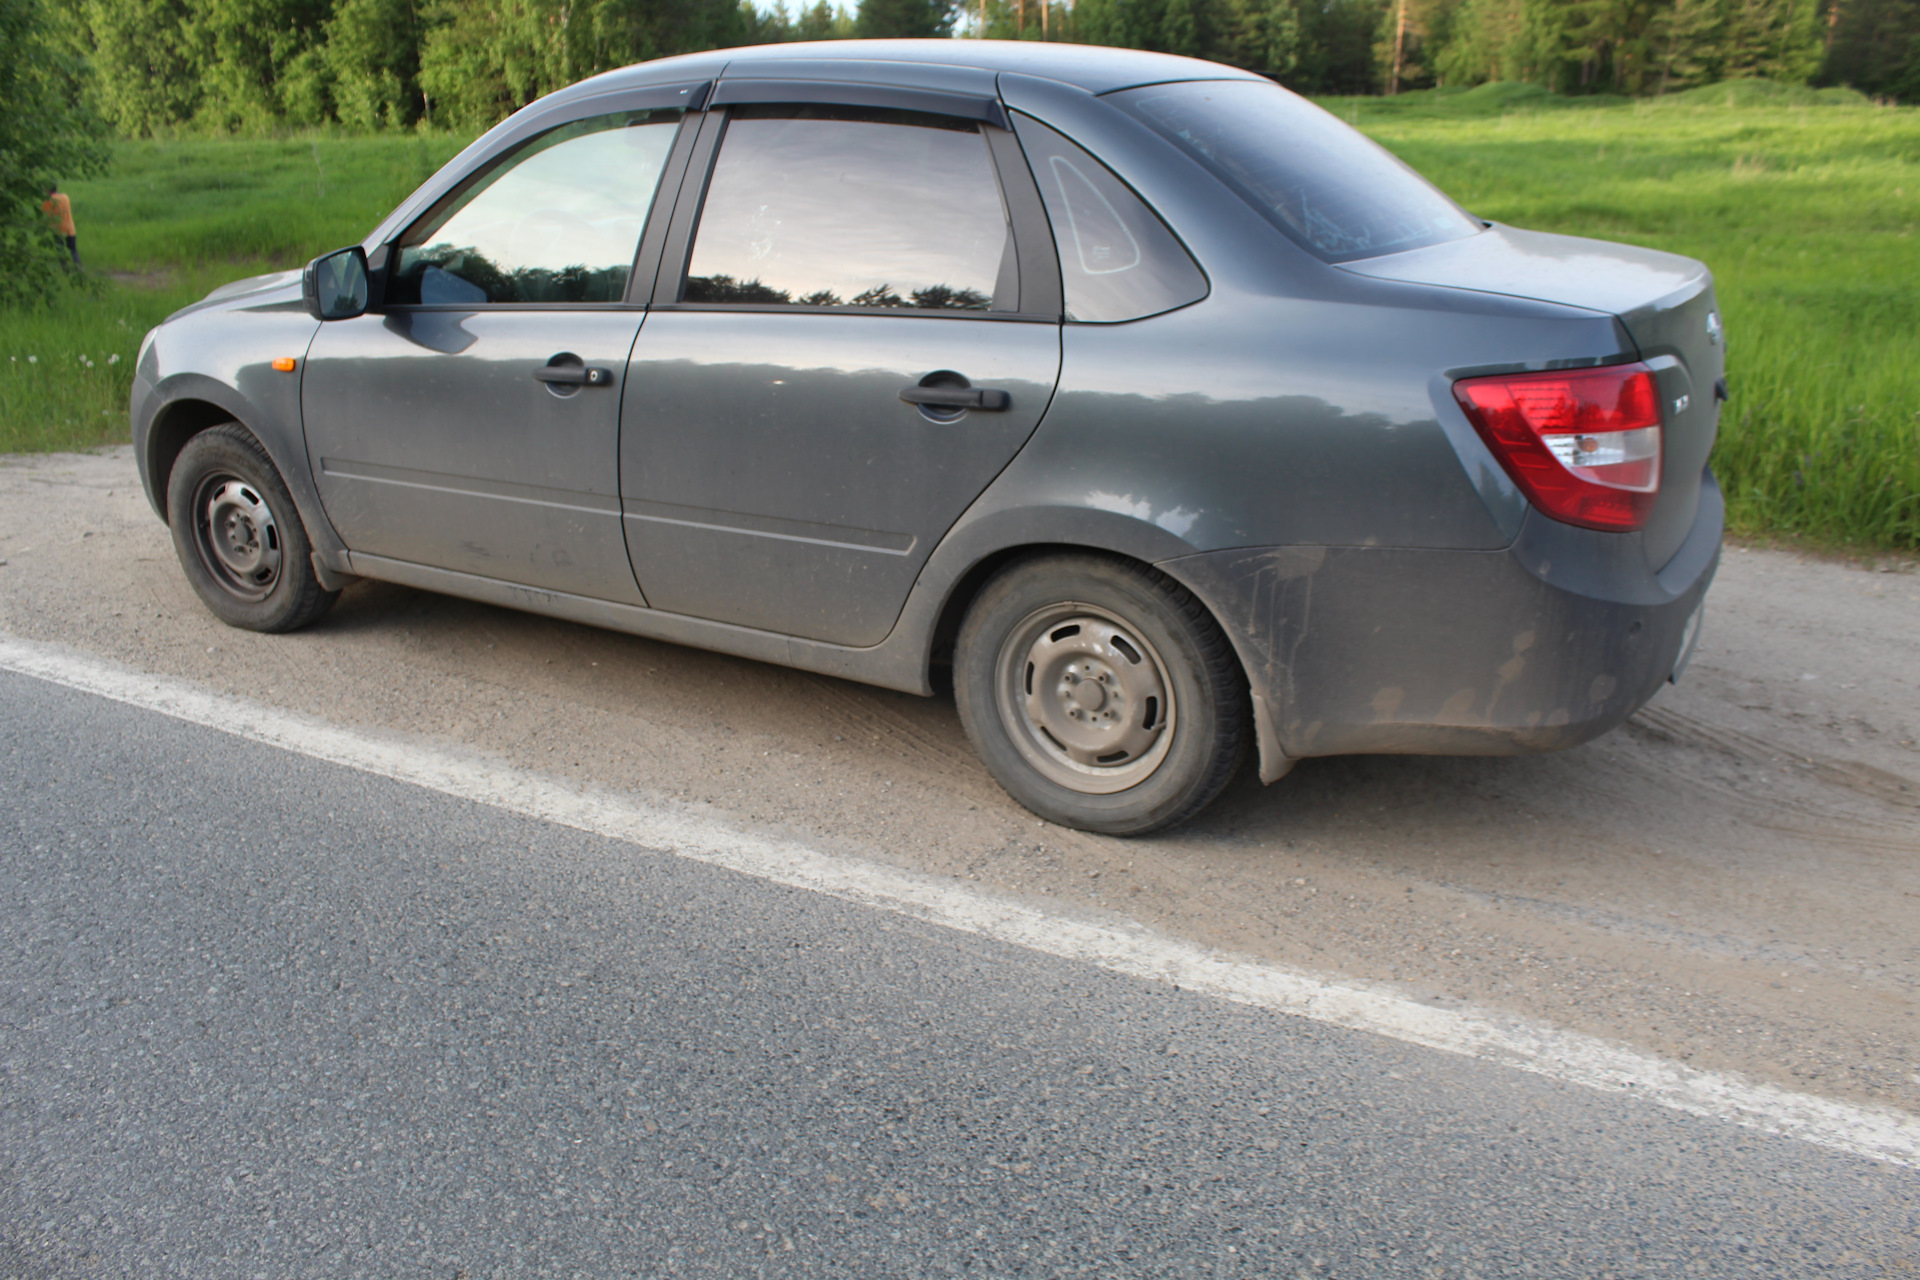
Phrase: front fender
(216, 363)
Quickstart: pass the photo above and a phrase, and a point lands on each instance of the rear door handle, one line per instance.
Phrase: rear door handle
(574, 375)
(958, 397)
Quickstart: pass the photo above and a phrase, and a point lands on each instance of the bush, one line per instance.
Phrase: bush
(48, 132)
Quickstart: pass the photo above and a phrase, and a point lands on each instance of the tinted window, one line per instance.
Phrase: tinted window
(1118, 261)
(1331, 189)
(852, 207)
(557, 220)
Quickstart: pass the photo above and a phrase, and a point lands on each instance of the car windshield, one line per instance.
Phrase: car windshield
(1337, 193)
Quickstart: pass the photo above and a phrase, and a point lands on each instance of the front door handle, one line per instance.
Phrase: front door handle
(958, 397)
(573, 375)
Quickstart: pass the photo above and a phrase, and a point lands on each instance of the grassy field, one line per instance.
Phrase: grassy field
(170, 221)
(1804, 203)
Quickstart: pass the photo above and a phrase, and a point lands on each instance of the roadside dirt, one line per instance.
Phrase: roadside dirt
(1732, 879)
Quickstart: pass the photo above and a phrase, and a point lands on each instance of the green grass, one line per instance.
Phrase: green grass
(67, 367)
(206, 200)
(1805, 204)
(172, 220)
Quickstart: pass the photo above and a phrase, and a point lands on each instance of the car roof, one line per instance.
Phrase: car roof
(1090, 67)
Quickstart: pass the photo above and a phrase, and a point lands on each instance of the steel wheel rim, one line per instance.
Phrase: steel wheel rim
(1085, 698)
(237, 537)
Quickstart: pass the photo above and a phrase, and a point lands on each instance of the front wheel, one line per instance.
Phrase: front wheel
(238, 535)
(1100, 694)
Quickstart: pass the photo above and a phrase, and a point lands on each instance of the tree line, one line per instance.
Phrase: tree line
(149, 66)
(156, 65)
(1633, 47)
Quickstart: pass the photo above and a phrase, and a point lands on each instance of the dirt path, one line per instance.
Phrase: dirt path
(1733, 879)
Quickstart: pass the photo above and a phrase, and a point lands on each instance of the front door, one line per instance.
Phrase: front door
(474, 423)
(845, 370)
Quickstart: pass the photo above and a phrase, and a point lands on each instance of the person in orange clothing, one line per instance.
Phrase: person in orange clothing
(59, 211)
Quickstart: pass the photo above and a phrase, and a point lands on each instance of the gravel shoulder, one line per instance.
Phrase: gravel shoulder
(1732, 879)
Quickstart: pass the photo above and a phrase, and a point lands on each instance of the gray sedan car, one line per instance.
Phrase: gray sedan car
(1173, 416)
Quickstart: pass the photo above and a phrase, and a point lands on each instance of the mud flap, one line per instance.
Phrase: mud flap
(330, 578)
(1688, 638)
(1274, 763)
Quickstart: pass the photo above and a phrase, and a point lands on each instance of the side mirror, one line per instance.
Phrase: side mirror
(334, 285)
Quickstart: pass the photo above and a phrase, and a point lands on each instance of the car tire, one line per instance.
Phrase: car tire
(1101, 694)
(239, 536)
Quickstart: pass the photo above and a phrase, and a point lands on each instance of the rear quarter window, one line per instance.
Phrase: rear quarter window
(1332, 190)
(1118, 261)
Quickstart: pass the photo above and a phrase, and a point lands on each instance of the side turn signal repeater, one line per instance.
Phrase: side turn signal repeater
(1583, 445)
(284, 364)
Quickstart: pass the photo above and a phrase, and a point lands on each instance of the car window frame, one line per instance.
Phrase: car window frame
(640, 274)
(1037, 266)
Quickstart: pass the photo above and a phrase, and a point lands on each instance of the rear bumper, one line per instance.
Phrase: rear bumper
(1543, 645)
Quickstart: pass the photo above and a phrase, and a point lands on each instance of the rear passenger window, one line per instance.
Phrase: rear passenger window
(1118, 261)
(853, 207)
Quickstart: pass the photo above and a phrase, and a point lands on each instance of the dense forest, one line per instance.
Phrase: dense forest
(74, 72)
(157, 65)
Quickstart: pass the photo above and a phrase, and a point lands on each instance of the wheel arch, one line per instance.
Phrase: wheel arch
(238, 532)
(1149, 549)
(966, 587)
(177, 422)
(1161, 780)
(185, 405)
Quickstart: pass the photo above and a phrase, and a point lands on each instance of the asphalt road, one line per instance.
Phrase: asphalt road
(1730, 881)
(264, 1016)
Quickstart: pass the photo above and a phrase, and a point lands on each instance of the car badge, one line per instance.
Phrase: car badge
(1714, 327)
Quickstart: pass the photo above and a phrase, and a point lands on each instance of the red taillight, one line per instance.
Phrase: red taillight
(1583, 445)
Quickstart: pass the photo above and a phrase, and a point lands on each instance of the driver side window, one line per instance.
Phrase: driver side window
(555, 221)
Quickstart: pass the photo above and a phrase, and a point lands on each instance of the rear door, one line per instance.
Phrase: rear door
(848, 343)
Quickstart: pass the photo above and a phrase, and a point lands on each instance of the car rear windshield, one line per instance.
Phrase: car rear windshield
(1337, 193)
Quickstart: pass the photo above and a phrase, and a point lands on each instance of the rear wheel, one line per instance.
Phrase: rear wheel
(238, 535)
(1100, 694)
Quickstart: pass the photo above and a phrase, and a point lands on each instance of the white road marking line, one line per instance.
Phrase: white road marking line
(1126, 949)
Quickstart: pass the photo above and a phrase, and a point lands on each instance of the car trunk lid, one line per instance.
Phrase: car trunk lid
(1665, 303)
